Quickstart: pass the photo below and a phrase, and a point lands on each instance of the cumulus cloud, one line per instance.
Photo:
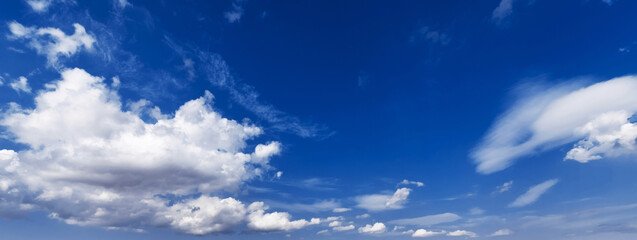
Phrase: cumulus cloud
(363, 216)
(427, 220)
(89, 162)
(609, 135)
(461, 233)
(377, 228)
(422, 233)
(53, 42)
(380, 202)
(533, 194)
(275, 221)
(559, 115)
(501, 232)
(21, 85)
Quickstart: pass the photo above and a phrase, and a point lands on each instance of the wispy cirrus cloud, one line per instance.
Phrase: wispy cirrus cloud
(534, 193)
(598, 116)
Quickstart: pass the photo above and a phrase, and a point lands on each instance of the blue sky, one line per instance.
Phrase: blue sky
(243, 119)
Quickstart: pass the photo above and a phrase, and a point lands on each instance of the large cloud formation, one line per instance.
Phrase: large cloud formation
(598, 116)
(88, 162)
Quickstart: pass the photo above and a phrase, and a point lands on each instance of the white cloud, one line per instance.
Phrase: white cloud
(377, 228)
(504, 187)
(460, 233)
(204, 215)
(234, 15)
(407, 182)
(275, 221)
(363, 216)
(380, 202)
(88, 162)
(340, 210)
(53, 42)
(608, 135)
(39, 6)
(21, 84)
(343, 228)
(533, 194)
(501, 232)
(553, 117)
(504, 9)
(422, 233)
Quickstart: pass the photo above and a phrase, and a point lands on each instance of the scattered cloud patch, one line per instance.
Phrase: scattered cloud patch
(432, 36)
(340, 210)
(533, 194)
(21, 85)
(380, 202)
(501, 232)
(53, 42)
(476, 211)
(462, 233)
(363, 216)
(39, 6)
(407, 182)
(504, 9)
(235, 13)
(504, 187)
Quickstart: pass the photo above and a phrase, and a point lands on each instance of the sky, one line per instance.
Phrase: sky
(244, 119)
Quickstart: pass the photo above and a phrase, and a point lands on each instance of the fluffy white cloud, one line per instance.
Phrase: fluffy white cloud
(533, 194)
(427, 220)
(275, 221)
(379, 202)
(461, 233)
(559, 115)
(203, 215)
(53, 42)
(422, 233)
(363, 216)
(20, 85)
(501, 232)
(377, 228)
(608, 135)
(89, 162)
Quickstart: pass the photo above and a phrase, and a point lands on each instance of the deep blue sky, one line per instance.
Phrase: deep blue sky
(360, 95)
